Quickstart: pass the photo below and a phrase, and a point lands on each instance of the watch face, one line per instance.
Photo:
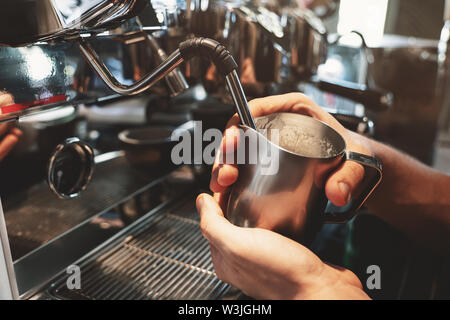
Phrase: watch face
(73, 11)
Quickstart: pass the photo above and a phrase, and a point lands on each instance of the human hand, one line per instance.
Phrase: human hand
(9, 137)
(340, 184)
(9, 134)
(266, 265)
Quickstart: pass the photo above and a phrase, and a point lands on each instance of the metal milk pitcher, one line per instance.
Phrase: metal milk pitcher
(284, 191)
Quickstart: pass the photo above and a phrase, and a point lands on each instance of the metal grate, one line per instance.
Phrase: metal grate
(164, 257)
(37, 216)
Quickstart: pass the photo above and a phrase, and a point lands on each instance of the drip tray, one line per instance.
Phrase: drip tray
(162, 257)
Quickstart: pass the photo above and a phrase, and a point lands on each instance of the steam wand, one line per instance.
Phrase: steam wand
(188, 49)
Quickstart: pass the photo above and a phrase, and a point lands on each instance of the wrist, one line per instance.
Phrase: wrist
(333, 283)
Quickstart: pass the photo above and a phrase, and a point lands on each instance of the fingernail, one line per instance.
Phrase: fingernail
(200, 201)
(345, 190)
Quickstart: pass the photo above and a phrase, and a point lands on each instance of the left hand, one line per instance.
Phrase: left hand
(266, 265)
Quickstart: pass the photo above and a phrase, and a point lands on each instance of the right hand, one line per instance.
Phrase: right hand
(341, 183)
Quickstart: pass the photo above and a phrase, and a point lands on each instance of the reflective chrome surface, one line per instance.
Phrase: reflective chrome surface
(239, 99)
(175, 80)
(140, 86)
(273, 44)
(70, 168)
(47, 234)
(324, 8)
(44, 75)
(165, 257)
(292, 200)
(51, 73)
(309, 41)
(167, 66)
(27, 21)
(443, 76)
(32, 76)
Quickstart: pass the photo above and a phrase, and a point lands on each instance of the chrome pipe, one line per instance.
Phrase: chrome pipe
(238, 95)
(175, 80)
(194, 47)
(173, 61)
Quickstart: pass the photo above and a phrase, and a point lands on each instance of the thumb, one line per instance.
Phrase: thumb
(213, 224)
(344, 182)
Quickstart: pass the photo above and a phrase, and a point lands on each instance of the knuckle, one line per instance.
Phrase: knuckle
(302, 98)
(356, 172)
(298, 95)
(255, 102)
(213, 186)
(233, 120)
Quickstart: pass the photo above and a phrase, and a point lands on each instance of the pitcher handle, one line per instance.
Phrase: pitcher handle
(372, 178)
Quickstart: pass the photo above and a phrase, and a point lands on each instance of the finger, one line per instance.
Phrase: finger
(17, 132)
(343, 182)
(227, 169)
(295, 102)
(230, 141)
(214, 226)
(222, 176)
(7, 144)
(222, 199)
(224, 171)
(227, 175)
(290, 102)
(5, 128)
(214, 184)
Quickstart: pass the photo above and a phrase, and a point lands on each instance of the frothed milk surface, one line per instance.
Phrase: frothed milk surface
(295, 139)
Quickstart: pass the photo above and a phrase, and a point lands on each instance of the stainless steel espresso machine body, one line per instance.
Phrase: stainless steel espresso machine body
(28, 22)
(289, 41)
(36, 255)
(131, 233)
(54, 28)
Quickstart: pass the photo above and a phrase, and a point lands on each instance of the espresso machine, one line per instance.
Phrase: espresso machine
(71, 55)
(89, 185)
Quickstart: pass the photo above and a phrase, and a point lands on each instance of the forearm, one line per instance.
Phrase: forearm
(412, 197)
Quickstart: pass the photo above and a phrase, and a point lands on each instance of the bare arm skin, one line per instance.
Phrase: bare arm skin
(412, 197)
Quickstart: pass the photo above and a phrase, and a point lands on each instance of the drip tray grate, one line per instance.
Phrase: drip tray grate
(163, 257)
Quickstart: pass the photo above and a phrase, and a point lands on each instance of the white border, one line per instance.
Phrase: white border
(8, 284)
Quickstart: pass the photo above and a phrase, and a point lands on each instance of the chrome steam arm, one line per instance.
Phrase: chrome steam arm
(196, 47)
